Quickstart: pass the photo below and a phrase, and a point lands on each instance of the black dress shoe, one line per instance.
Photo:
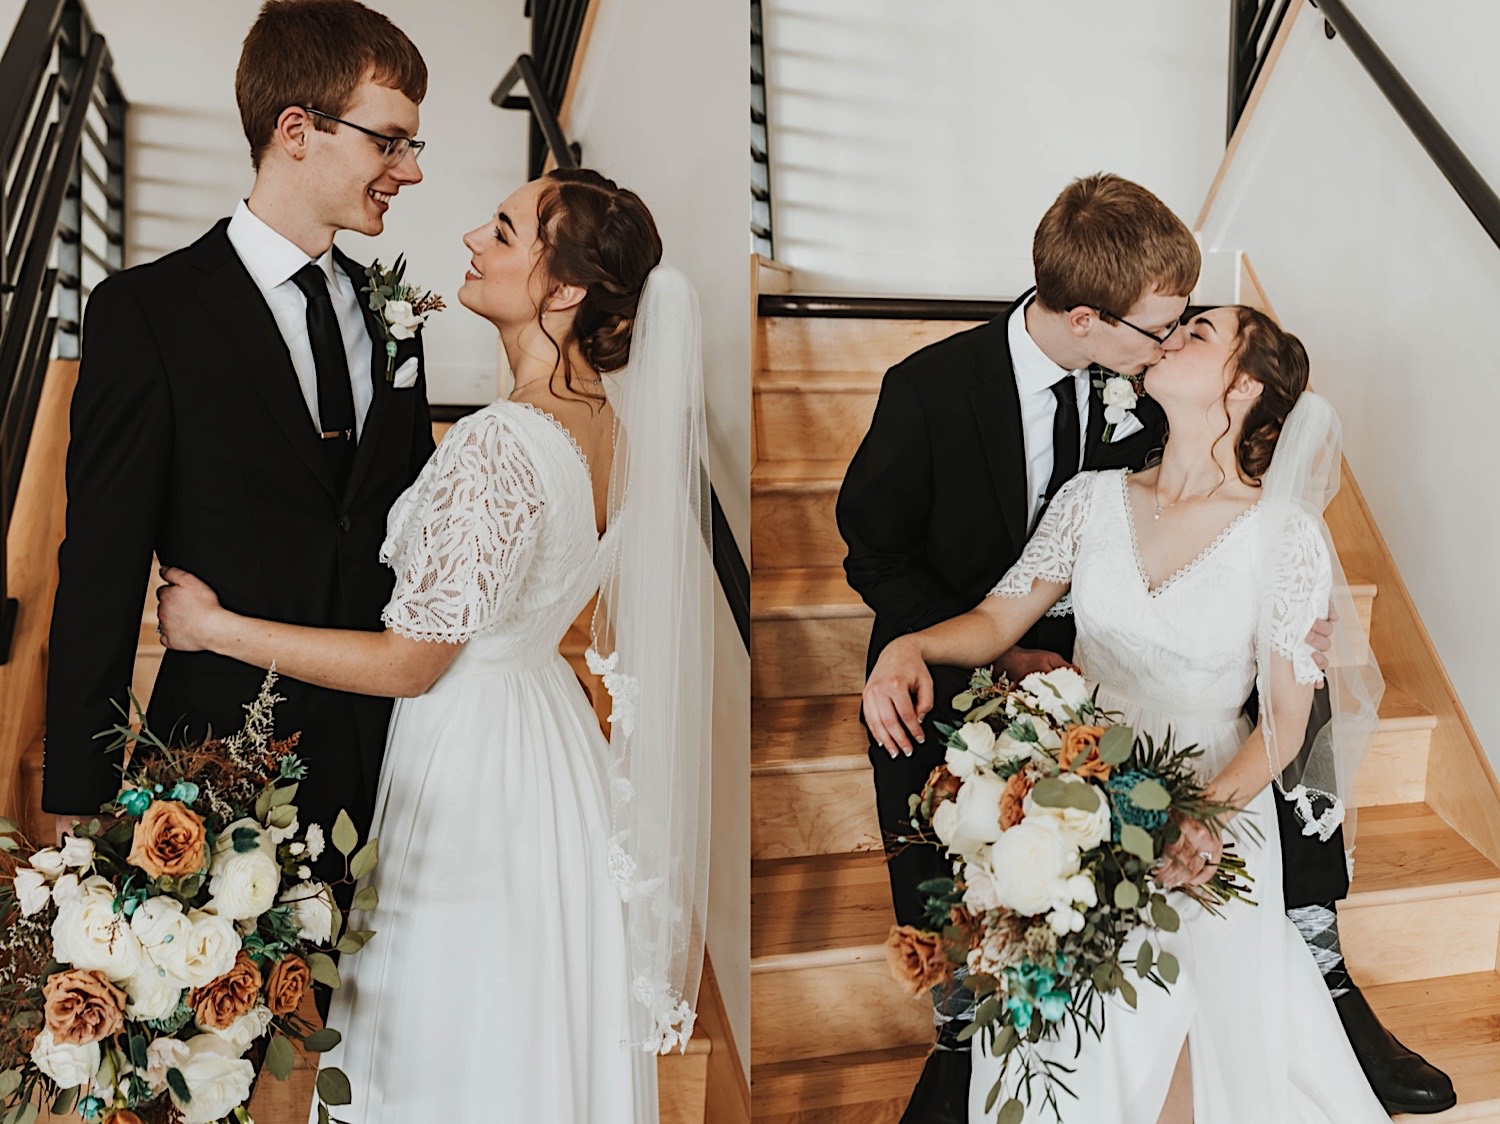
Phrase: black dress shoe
(1402, 1079)
(942, 1092)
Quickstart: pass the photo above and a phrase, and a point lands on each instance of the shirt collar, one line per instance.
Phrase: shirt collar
(270, 258)
(1035, 373)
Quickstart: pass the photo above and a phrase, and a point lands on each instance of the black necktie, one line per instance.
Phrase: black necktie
(1065, 440)
(335, 395)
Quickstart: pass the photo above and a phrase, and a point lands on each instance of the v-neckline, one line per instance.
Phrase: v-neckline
(1135, 545)
(583, 458)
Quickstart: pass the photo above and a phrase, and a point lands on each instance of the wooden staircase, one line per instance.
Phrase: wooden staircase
(833, 1039)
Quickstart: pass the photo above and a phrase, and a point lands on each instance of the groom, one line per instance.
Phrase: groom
(970, 439)
(234, 418)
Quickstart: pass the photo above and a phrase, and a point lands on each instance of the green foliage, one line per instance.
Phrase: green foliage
(343, 836)
(333, 1087)
(173, 1022)
(364, 861)
(1054, 792)
(178, 1085)
(1127, 895)
(1137, 841)
(246, 839)
(1150, 796)
(320, 1041)
(323, 969)
(1116, 745)
(367, 899)
(280, 1057)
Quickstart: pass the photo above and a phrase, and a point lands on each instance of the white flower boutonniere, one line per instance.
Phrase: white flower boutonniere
(1120, 393)
(402, 308)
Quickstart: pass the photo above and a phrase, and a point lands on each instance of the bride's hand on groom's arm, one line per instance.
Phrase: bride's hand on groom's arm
(1320, 639)
(187, 611)
(897, 696)
(1020, 662)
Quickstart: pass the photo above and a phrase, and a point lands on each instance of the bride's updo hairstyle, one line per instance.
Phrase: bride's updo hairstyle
(600, 237)
(1277, 360)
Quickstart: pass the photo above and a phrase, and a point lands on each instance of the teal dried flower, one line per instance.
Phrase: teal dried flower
(136, 801)
(1119, 787)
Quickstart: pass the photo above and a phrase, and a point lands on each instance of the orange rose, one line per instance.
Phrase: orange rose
(123, 1116)
(1011, 800)
(941, 785)
(219, 1003)
(1083, 742)
(287, 984)
(83, 1007)
(169, 841)
(917, 959)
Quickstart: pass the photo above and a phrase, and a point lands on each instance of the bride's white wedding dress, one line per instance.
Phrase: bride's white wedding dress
(496, 986)
(1266, 1043)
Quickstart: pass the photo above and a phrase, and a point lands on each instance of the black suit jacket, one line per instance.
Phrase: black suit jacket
(933, 508)
(191, 439)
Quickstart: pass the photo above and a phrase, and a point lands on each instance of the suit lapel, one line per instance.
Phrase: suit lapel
(254, 341)
(997, 409)
(369, 435)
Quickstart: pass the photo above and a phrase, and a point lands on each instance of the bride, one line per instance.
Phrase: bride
(541, 892)
(1192, 584)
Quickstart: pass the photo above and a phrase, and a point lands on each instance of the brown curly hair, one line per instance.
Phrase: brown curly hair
(597, 235)
(1277, 360)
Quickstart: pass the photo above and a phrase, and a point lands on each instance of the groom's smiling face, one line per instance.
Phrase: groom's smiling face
(352, 183)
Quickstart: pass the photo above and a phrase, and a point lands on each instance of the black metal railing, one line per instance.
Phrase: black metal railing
(762, 240)
(62, 217)
(728, 559)
(556, 30)
(1253, 25)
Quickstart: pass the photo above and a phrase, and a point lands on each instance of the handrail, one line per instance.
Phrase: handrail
(728, 559)
(557, 31)
(879, 308)
(46, 139)
(762, 230)
(1457, 169)
(1253, 26)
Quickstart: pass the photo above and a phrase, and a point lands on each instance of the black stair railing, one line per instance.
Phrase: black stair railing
(556, 30)
(62, 218)
(762, 239)
(1253, 25)
(729, 561)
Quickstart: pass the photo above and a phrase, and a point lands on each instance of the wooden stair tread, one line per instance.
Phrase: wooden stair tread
(1406, 850)
(1454, 1022)
(796, 476)
(819, 382)
(824, 733)
(828, 1082)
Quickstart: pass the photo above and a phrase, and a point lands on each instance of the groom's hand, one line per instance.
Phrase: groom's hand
(899, 679)
(1320, 639)
(1020, 662)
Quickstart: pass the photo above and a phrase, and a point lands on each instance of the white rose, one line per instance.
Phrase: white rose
(1113, 415)
(961, 763)
(1085, 830)
(163, 930)
(89, 934)
(67, 891)
(403, 321)
(32, 891)
(161, 1055)
(154, 993)
(1009, 750)
(245, 1029)
(69, 1066)
(1055, 691)
(78, 853)
(1065, 920)
(1032, 863)
(282, 834)
(49, 861)
(973, 818)
(315, 841)
(979, 740)
(313, 907)
(1119, 394)
(244, 885)
(216, 1076)
(212, 945)
(981, 888)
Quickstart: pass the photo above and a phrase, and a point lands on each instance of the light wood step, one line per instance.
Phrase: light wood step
(813, 343)
(863, 1088)
(820, 415)
(792, 510)
(812, 789)
(1453, 1022)
(810, 632)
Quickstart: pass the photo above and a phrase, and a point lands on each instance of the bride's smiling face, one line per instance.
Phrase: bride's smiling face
(505, 282)
(1202, 374)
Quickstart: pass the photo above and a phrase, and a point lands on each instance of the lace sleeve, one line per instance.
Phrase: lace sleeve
(462, 537)
(1300, 585)
(1050, 553)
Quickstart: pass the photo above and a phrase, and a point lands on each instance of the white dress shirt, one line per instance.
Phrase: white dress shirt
(271, 261)
(1035, 374)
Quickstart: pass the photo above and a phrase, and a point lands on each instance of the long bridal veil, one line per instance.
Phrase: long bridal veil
(1302, 480)
(654, 620)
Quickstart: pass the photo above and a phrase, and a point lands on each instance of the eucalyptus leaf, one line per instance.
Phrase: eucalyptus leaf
(1145, 960)
(1166, 967)
(8, 844)
(178, 1085)
(323, 969)
(986, 710)
(263, 804)
(28, 1113)
(994, 1094)
(65, 1101)
(1137, 840)
(1084, 797)
(10, 1081)
(1052, 792)
(286, 795)
(1165, 916)
(962, 702)
(280, 1057)
(8, 826)
(344, 837)
(320, 1040)
(1011, 1112)
(333, 1087)
(323, 1117)
(282, 817)
(1127, 992)
(1151, 796)
(365, 860)
(1116, 744)
(367, 899)
(1127, 896)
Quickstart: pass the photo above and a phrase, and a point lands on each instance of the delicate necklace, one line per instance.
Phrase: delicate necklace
(1160, 507)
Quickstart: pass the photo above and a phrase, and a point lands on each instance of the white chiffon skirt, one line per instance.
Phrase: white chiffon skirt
(495, 988)
(1265, 1041)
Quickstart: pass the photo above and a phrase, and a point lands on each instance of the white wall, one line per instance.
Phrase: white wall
(189, 162)
(663, 107)
(914, 147)
(1368, 254)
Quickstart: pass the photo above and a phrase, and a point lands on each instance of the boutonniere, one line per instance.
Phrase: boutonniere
(402, 308)
(1120, 393)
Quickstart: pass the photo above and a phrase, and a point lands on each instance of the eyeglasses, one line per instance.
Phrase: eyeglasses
(1157, 339)
(396, 148)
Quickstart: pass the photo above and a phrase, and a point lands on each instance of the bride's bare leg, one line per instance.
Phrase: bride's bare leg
(1178, 1108)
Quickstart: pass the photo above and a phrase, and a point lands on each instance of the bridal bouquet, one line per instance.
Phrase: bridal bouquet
(143, 962)
(1057, 817)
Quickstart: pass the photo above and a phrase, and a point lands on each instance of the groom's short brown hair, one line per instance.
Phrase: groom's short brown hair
(1106, 243)
(315, 53)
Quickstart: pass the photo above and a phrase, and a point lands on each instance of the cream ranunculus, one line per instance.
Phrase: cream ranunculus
(161, 1055)
(224, 844)
(154, 993)
(69, 1066)
(78, 853)
(245, 1029)
(1085, 830)
(403, 320)
(32, 891)
(212, 946)
(1055, 691)
(216, 1076)
(1032, 863)
(163, 929)
(244, 885)
(313, 907)
(49, 861)
(973, 819)
(89, 934)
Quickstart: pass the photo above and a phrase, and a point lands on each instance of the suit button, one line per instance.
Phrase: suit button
(344, 523)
